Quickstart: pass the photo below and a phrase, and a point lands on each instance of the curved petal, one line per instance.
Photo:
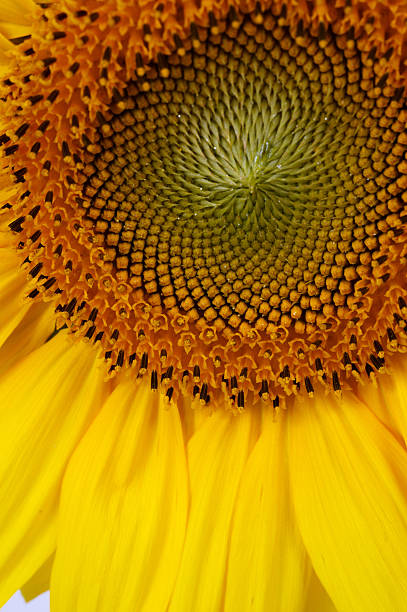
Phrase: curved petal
(317, 598)
(388, 398)
(123, 508)
(5, 47)
(17, 11)
(13, 30)
(16, 17)
(33, 330)
(191, 417)
(349, 485)
(13, 287)
(268, 567)
(48, 401)
(39, 582)
(217, 454)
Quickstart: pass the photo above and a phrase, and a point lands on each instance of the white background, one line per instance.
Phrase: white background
(17, 604)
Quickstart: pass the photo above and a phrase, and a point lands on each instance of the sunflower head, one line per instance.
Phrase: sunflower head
(215, 196)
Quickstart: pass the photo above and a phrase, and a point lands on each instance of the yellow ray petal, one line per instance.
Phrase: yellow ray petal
(12, 290)
(16, 19)
(39, 582)
(123, 509)
(349, 484)
(191, 418)
(48, 401)
(33, 330)
(317, 598)
(268, 568)
(217, 454)
(18, 11)
(5, 46)
(14, 30)
(388, 400)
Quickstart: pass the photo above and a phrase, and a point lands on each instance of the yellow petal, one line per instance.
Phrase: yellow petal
(39, 582)
(123, 509)
(16, 20)
(33, 330)
(388, 399)
(12, 289)
(317, 598)
(13, 30)
(48, 401)
(217, 454)
(5, 46)
(23, 326)
(191, 418)
(268, 568)
(349, 484)
(18, 11)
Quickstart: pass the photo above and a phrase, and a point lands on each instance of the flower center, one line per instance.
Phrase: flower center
(235, 214)
(237, 158)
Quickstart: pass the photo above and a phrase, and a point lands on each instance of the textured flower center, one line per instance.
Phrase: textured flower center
(226, 177)
(234, 212)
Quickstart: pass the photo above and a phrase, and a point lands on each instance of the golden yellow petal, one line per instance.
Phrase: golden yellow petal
(349, 485)
(13, 287)
(48, 401)
(32, 331)
(14, 30)
(217, 455)
(317, 598)
(268, 568)
(388, 398)
(39, 582)
(123, 509)
(18, 12)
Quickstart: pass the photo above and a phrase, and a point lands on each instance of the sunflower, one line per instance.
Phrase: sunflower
(204, 305)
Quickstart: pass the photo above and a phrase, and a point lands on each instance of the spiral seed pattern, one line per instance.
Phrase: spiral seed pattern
(241, 202)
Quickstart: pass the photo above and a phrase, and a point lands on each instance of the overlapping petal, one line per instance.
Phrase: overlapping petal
(349, 485)
(13, 288)
(217, 454)
(39, 582)
(388, 398)
(15, 20)
(268, 568)
(48, 400)
(18, 12)
(33, 330)
(123, 509)
(317, 598)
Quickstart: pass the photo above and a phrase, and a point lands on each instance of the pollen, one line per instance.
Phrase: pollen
(215, 198)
